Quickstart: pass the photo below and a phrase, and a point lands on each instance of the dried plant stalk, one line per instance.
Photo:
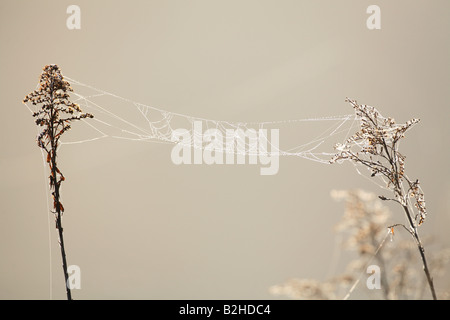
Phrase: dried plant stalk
(376, 147)
(54, 116)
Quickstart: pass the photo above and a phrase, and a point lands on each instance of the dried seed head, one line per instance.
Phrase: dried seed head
(375, 146)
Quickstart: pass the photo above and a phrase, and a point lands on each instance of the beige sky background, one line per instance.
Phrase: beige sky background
(140, 227)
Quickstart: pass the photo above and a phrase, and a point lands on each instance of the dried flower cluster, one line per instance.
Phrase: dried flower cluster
(55, 115)
(53, 94)
(306, 289)
(376, 147)
(365, 220)
(365, 223)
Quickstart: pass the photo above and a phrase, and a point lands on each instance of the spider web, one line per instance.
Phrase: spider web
(121, 118)
(116, 117)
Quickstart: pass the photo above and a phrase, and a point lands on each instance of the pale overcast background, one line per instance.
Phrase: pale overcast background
(140, 227)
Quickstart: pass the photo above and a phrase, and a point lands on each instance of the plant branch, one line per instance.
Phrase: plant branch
(372, 140)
